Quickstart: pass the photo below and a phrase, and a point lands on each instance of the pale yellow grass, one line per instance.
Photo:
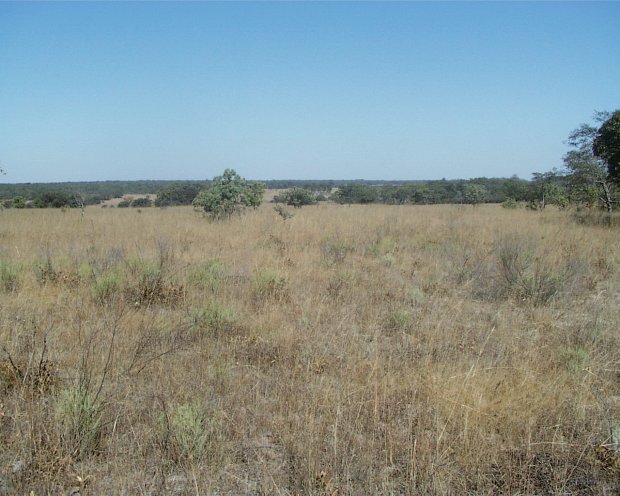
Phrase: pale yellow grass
(348, 350)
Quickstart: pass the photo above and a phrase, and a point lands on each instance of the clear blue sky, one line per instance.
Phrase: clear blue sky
(407, 90)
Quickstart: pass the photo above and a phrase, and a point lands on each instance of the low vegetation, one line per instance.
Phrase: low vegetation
(367, 349)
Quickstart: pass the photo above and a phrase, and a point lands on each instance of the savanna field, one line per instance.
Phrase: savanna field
(347, 350)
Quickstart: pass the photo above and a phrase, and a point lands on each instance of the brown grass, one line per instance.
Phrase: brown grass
(348, 350)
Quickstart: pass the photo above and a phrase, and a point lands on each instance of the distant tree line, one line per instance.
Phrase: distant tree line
(174, 193)
(473, 191)
(590, 177)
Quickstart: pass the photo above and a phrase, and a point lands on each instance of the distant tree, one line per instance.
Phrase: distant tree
(19, 202)
(142, 202)
(356, 193)
(177, 194)
(547, 189)
(606, 144)
(515, 188)
(474, 194)
(229, 194)
(298, 197)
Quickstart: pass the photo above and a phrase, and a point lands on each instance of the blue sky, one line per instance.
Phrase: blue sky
(317, 90)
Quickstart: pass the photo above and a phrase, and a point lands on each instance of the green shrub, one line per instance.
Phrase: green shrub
(298, 197)
(214, 319)
(107, 286)
(525, 274)
(269, 284)
(510, 203)
(79, 417)
(208, 275)
(148, 285)
(10, 275)
(398, 321)
(142, 202)
(382, 247)
(19, 202)
(229, 194)
(188, 431)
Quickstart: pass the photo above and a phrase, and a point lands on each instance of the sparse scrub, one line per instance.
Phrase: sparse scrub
(527, 274)
(335, 251)
(255, 356)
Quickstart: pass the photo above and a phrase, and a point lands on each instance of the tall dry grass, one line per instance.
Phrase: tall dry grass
(348, 350)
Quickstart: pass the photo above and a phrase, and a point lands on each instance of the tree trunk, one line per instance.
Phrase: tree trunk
(607, 200)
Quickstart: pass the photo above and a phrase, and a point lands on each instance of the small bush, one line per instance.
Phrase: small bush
(79, 417)
(398, 321)
(186, 432)
(209, 275)
(269, 285)
(142, 202)
(283, 212)
(10, 276)
(298, 197)
(335, 251)
(214, 319)
(148, 285)
(525, 275)
(340, 282)
(382, 247)
(510, 203)
(107, 286)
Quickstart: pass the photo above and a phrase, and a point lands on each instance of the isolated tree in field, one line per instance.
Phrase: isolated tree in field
(298, 197)
(229, 194)
(587, 174)
(606, 144)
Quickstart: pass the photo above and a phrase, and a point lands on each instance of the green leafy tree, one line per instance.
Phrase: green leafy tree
(356, 193)
(19, 202)
(474, 194)
(587, 175)
(606, 144)
(548, 189)
(229, 194)
(142, 202)
(298, 197)
(177, 194)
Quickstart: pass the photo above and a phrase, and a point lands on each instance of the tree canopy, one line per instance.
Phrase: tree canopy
(587, 174)
(606, 145)
(229, 194)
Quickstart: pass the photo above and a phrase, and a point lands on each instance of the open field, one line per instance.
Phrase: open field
(348, 350)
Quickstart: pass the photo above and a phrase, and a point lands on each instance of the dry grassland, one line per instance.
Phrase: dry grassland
(348, 350)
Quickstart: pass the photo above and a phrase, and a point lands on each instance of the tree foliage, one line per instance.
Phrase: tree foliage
(474, 194)
(588, 177)
(606, 145)
(298, 197)
(229, 194)
(177, 194)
